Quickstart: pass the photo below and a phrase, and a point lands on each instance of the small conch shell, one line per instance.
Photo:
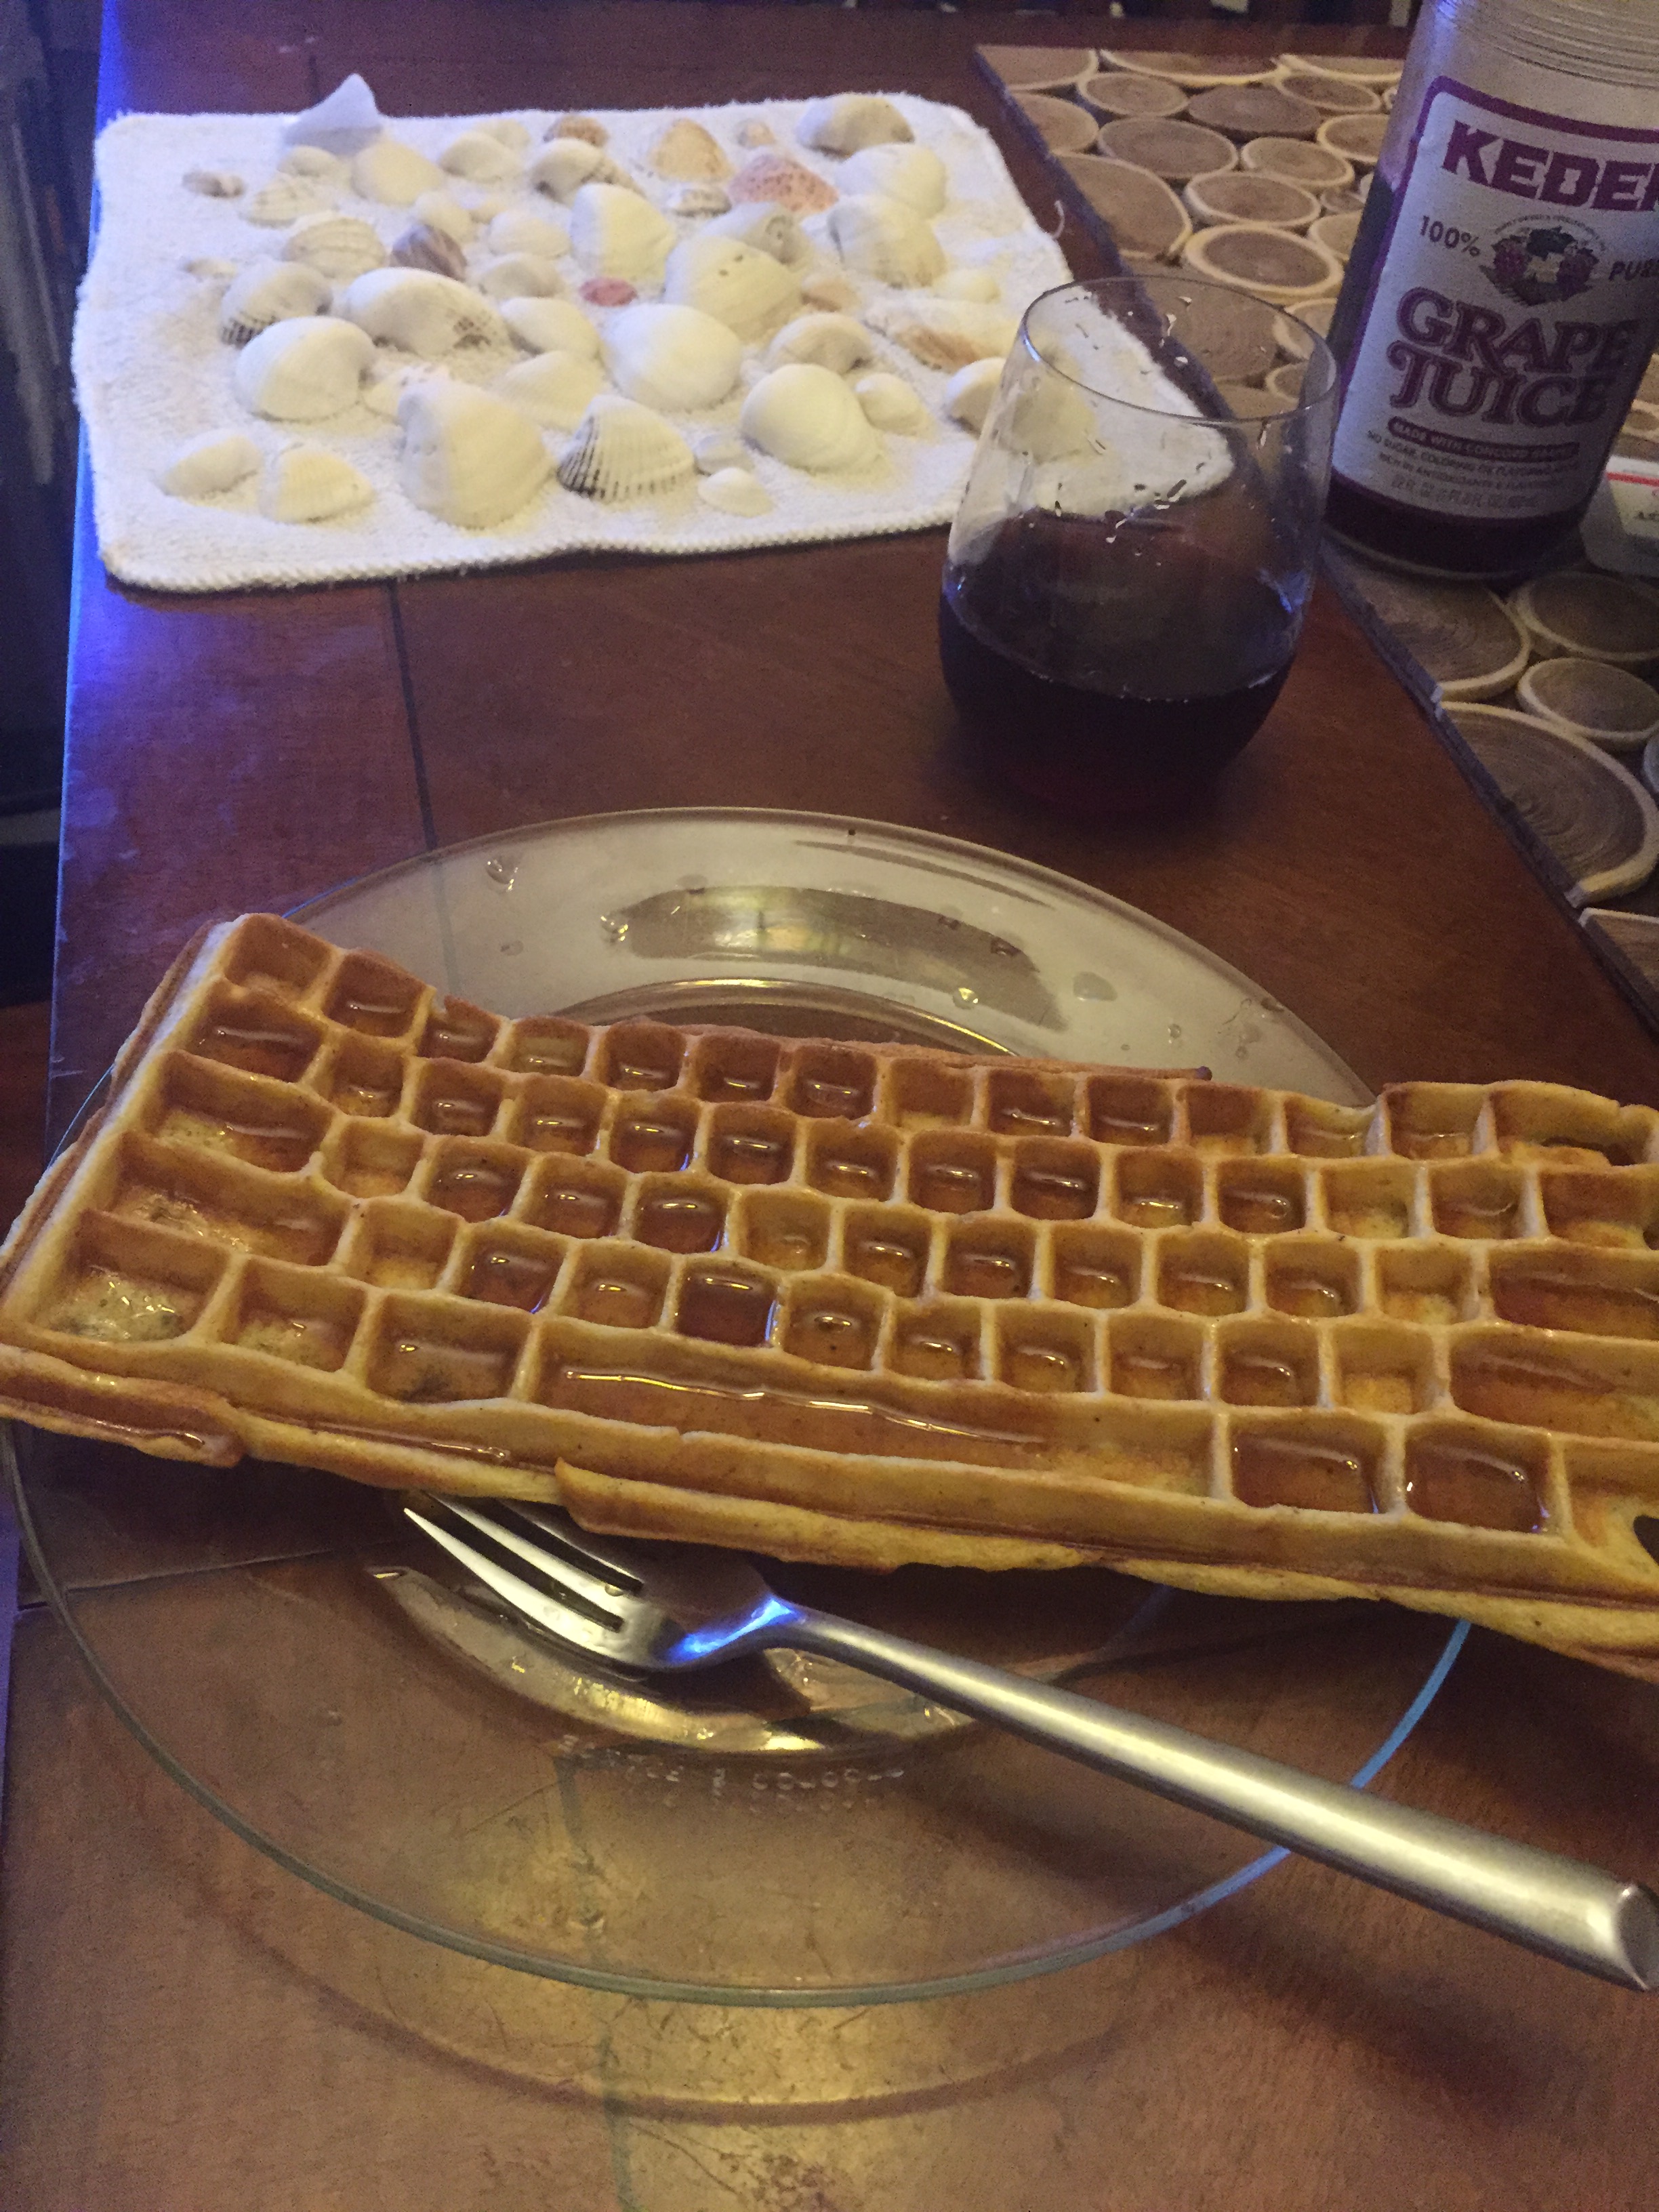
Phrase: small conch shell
(579, 126)
(315, 162)
(424, 246)
(614, 232)
(787, 183)
(946, 333)
(302, 369)
(684, 150)
(735, 492)
(468, 457)
(443, 211)
(543, 325)
(846, 122)
(520, 277)
(915, 174)
(214, 184)
(554, 389)
(834, 342)
(698, 199)
(623, 451)
(565, 165)
(481, 158)
(305, 483)
(508, 130)
(216, 461)
(671, 357)
(883, 239)
(754, 130)
(394, 174)
(283, 200)
(890, 403)
(268, 292)
(343, 124)
(969, 394)
(720, 449)
(339, 246)
(827, 289)
(768, 229)
(518, 231)
(969, 284)
(739, 286)
(421, 313)
(805, 416)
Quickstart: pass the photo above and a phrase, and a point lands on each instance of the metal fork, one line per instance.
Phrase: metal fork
(666, 1607)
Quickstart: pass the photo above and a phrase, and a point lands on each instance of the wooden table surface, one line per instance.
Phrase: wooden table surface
(185, 2028)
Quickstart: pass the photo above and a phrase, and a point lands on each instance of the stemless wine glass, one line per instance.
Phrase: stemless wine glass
(1129, 568)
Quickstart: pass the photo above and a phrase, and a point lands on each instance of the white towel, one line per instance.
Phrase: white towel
(152, 373)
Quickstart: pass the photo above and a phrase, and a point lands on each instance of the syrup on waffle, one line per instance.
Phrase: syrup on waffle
(866, 1305)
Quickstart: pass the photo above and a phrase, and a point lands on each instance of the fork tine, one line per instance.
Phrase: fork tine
(575, 1578)
(614, 1554)
(570, 1627)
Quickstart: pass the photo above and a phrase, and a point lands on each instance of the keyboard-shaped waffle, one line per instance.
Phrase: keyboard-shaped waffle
(866, 1305)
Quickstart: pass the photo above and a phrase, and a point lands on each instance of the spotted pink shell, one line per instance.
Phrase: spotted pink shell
(775, 177)
(608, 292)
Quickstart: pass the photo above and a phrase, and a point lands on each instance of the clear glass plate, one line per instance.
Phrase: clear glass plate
(786, 1833)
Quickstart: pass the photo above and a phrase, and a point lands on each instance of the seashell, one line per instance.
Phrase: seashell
(890, 403)
(442, 211)
(339, 246)
(969, 394)
(685, 150)
(788, 184)
(393, 174)
(848, 122)
(607, 291)
(304, 483)
(268, 292)
(698, 199)
(214, 184)
(768, 229)
(614, 232)
(827, 289)
(754, 130)
(565, 165)
(208, 268)
(671, 357)
(735, 492)
(303, 368)
(737, 284)
(468, 457)
(519, 232)
(315, 162)
(554, 389)
(422, 246)
(284, 200)
(967, 285)
(520, 277)
(343, 124)
(383, 394)
(883, 239)
(805, 416)
(623, 451)
(421, 313)
(579, 126)
(834, 342)
(915, 174)
(508, 130)
(480, 157)
(946, 333)
(720, 449)
(543, 325)
(484, 207)
(216, 461)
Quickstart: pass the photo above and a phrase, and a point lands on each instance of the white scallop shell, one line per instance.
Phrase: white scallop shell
(393, 174)
(520, 277)
(915, 174)
(614, 232)
(554, 389)
(805, 416)
(741, 287)
(565, 165)
(969, 394)
(883, 239)
(283, 200)
(577, 126)
(683, 149)
(671, 357)
(946, 333)
(421, 313)
(969, 284)
(346, 120)
(424, 246)
(481, 158)
(769, 229)
(468, 457)
(829, 289)
(214, 184)
(623, 451)
(890, 403)
(519, 231)
(698, 199)
(735, 492)
(846, 122)
(720, 449)
(216, 461)
(302, 369)
(305, 483)
(508, 130)
(551, 326)
(835, 342)
(486, 206)
(756, 130)
(339, 246)
(268, 292)
(443, 211)
(316, 161)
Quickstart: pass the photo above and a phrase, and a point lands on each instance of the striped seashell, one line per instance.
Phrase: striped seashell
(301, 370)
(622, 451)
(305, 483)
(268, 292)
(339, 246)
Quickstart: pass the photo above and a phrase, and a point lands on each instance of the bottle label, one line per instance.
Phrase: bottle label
(1510, 312)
